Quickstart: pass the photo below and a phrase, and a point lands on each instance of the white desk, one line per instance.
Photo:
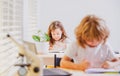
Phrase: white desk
(80, 73)
(48, 59)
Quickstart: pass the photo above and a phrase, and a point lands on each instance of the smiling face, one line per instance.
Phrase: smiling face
(56, 34)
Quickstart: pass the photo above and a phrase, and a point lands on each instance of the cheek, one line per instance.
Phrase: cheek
(59, 36)
(53, 36)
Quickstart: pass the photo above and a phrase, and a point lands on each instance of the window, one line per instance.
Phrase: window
(11, 21)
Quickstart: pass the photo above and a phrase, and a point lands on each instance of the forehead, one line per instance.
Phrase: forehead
(56, 30)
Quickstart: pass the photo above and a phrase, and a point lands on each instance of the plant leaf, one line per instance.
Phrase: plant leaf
(39, 31)
(47, 37)
(36, 38)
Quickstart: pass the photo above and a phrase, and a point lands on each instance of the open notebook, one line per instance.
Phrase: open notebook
(101, 70)
(54, 51)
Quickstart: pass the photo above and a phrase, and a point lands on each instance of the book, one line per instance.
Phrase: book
(101, 70)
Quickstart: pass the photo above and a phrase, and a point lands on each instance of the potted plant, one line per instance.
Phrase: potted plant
(42, 41)
(41, 37)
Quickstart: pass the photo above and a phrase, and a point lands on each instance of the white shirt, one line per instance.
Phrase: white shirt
(61, 45)
(95, 55)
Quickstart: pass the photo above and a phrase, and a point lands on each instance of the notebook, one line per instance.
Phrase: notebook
(55, 72)
(101, 70)
(54, 51)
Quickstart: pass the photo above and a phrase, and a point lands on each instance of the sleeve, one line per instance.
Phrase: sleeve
(111, 54)
(70, 51)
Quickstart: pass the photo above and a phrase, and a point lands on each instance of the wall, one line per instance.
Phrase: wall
(70, 13)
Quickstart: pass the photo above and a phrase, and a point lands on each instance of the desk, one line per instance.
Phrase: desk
(80, 73)
(48, 59)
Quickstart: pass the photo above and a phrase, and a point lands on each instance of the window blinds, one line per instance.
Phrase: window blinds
(11, 21)
(30, 18)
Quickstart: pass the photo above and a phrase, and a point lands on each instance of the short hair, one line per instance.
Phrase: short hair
(90, 28)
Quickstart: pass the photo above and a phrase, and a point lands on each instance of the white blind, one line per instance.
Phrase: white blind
(11, 21)
(31, 16)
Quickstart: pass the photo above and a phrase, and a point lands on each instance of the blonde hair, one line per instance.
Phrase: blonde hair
(55, 25)
(91, 28)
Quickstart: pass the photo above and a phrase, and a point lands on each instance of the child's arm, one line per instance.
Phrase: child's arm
(50, 48)
(66, 63)
(111, 64)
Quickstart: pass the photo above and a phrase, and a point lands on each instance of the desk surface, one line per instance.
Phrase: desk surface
(59, 55)
(80, 73)
(50, 57)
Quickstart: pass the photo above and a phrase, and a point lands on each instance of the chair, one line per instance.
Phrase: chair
(56, 61)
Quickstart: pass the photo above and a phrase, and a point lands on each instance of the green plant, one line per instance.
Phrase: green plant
(41, 37)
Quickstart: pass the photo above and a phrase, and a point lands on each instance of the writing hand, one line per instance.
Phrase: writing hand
(83, 65)
(105, 65)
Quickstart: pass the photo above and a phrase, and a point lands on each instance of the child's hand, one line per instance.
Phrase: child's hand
(105, 65)
(83, 65)
(50, 48)
(110, 64)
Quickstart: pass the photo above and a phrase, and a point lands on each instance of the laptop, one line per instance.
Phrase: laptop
(55, 72)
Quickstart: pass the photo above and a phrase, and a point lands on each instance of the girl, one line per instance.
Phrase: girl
(90, 49)
(58, 37)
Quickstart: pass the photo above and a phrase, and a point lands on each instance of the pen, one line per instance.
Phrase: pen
(118, 72)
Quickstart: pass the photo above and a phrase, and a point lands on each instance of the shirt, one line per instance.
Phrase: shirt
(95, 55)
(60, 45)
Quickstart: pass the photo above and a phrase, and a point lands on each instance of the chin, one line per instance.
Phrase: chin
(57, 39)
(92, 45)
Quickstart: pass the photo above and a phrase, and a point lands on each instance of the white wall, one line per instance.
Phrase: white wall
(70, 13)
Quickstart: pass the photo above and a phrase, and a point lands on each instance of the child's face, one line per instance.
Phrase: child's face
(56, 34)
(93, 43)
